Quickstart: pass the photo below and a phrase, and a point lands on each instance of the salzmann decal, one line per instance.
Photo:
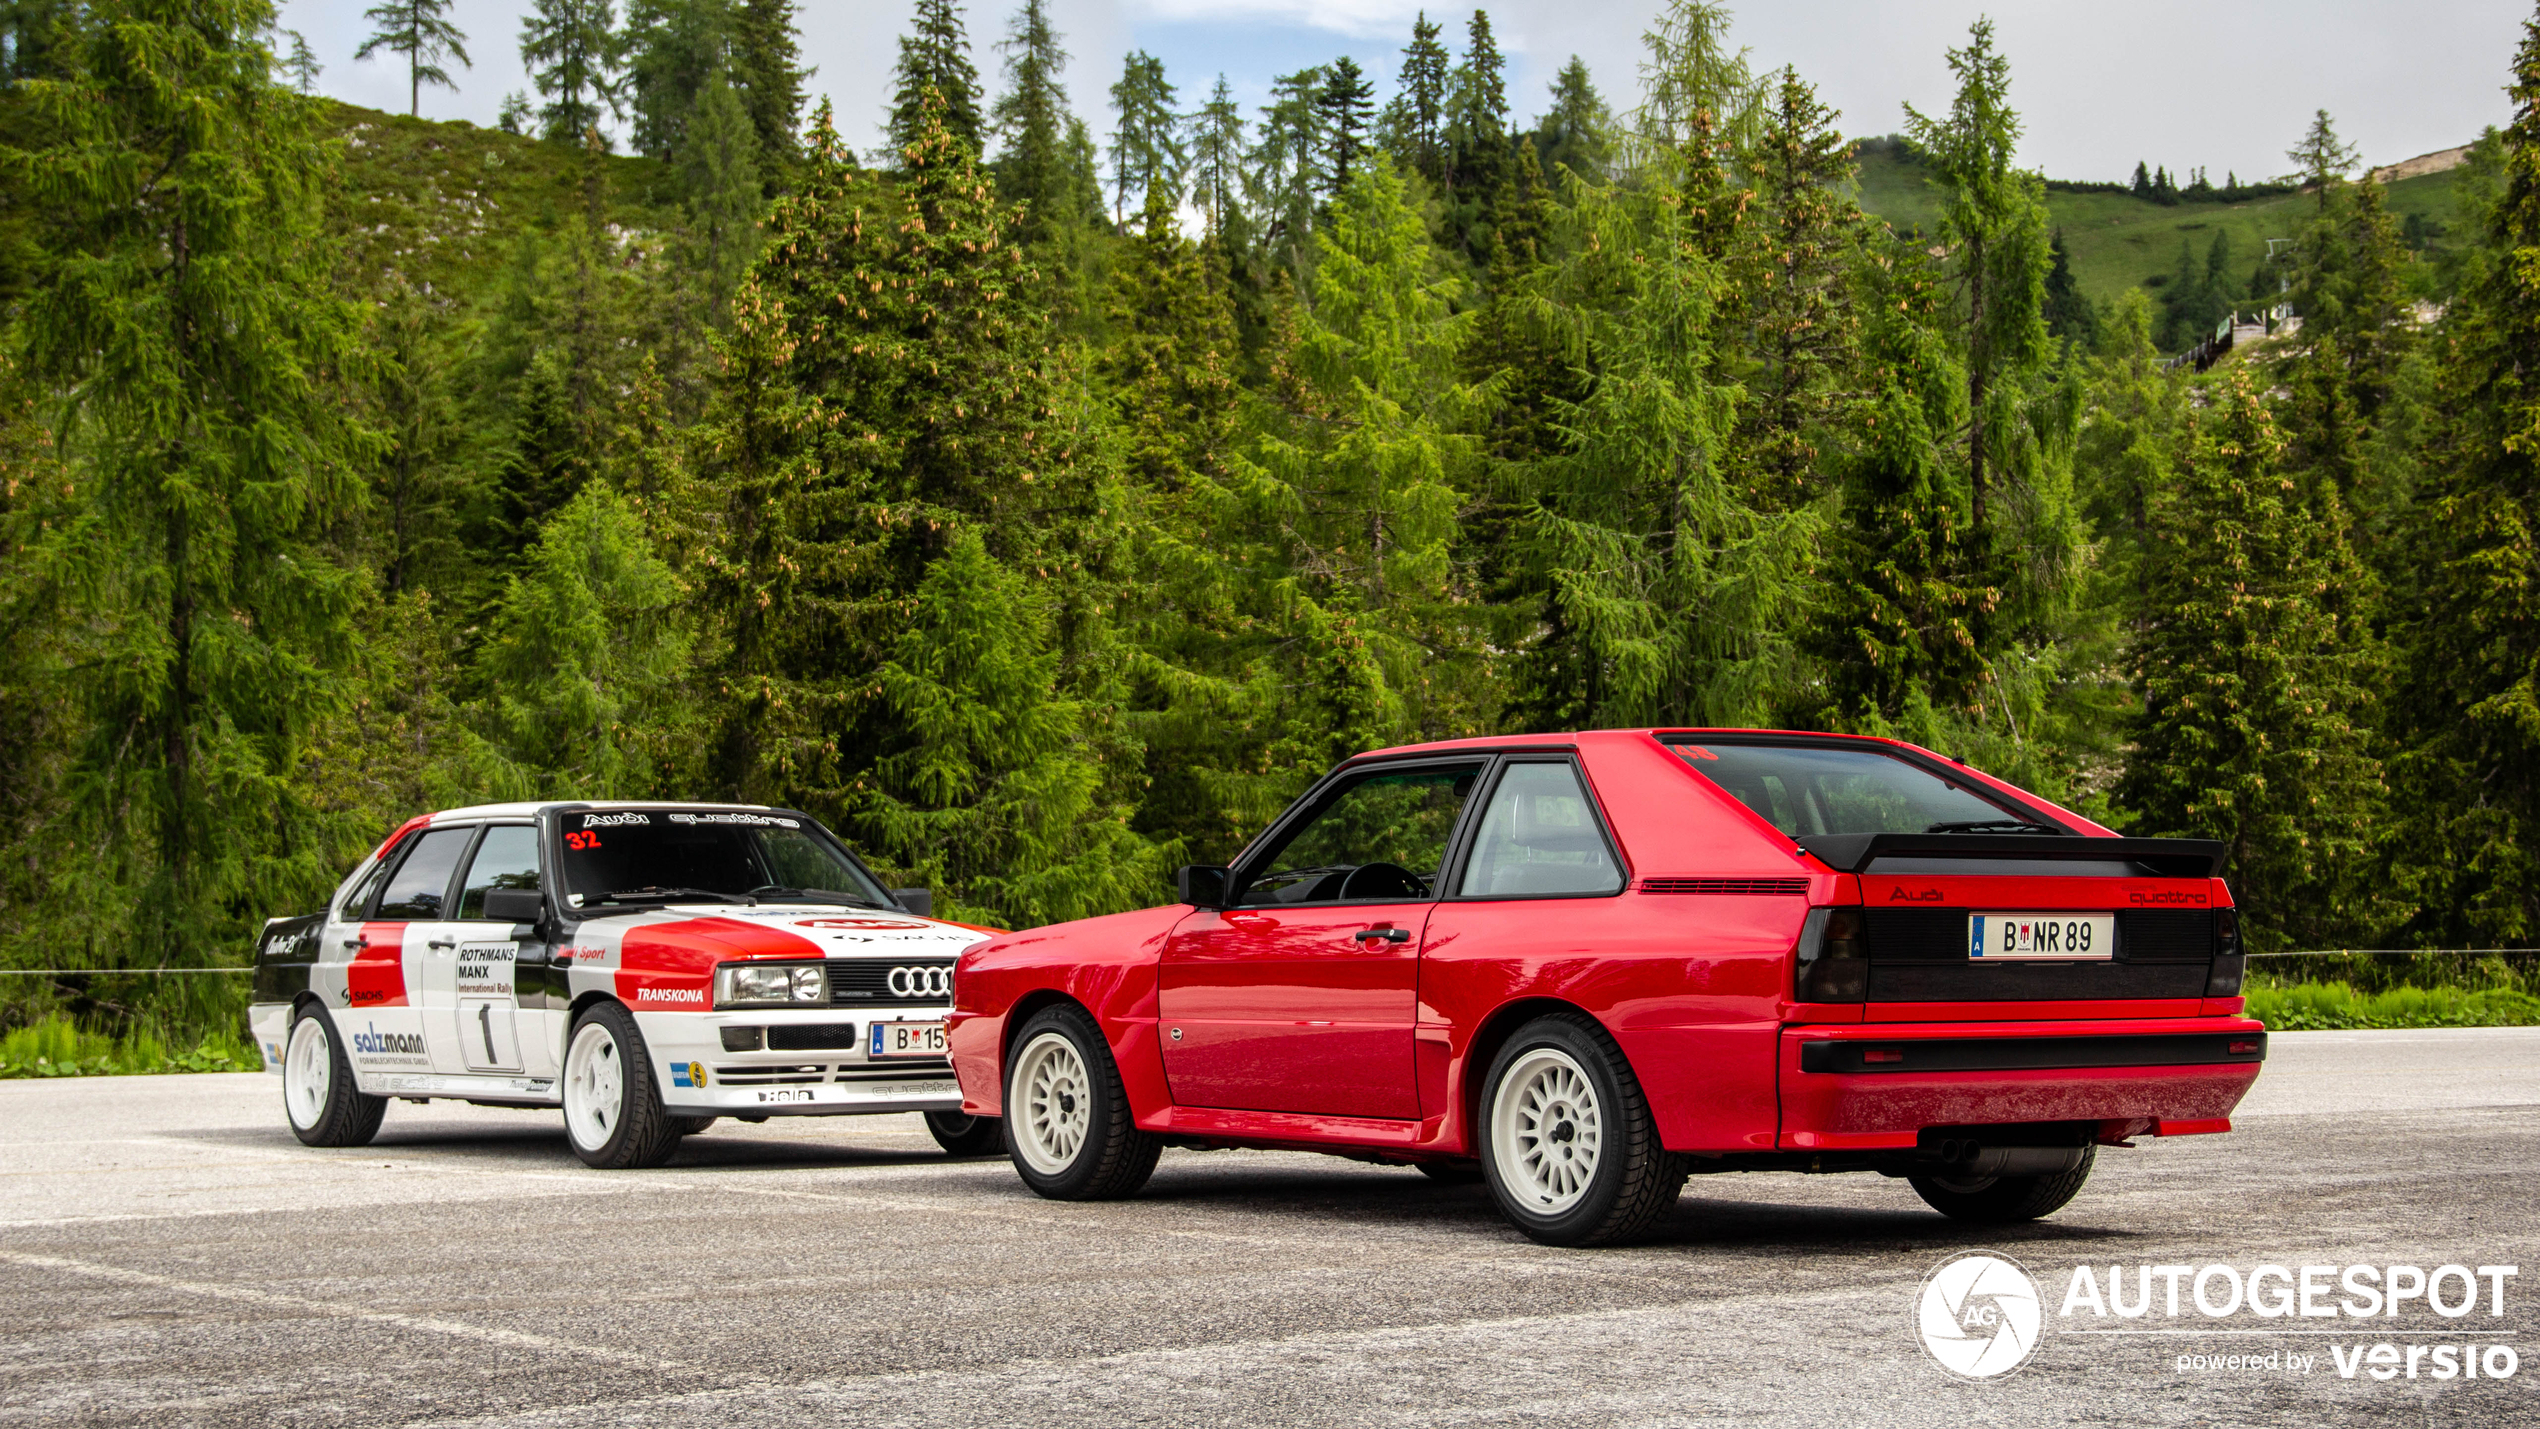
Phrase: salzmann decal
(1979, 1316)
(375, 1043)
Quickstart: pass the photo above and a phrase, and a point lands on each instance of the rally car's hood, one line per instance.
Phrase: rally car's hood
(790, 930)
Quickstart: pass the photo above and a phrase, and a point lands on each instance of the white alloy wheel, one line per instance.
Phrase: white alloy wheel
(1053, 1108)
(308, 1073)
(1546, 1131)
(594, 1086)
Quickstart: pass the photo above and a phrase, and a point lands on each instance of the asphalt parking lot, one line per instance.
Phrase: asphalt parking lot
(170, 1255)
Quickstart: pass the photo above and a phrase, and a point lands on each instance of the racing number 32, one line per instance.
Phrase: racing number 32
(583, 839)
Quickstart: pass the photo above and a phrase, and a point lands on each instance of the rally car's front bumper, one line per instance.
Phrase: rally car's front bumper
(821, 1064)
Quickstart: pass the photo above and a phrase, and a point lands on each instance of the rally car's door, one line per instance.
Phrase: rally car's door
(470, 987)
(374, 953)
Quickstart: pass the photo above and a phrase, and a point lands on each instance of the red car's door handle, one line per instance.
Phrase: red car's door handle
(1390, 935)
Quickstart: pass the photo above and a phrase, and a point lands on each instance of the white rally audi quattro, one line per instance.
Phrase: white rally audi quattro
(647, 967)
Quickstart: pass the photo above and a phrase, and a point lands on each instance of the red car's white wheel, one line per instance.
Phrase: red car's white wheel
(1067, 1118)
(1546, 1130)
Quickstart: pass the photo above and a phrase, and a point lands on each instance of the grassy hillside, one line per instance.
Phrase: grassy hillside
(2118, 241)
(445, 203)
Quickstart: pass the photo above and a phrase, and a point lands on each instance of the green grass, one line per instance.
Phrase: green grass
(2119, 242)
(56, 1048)
(444, 204)
(2318, 1006)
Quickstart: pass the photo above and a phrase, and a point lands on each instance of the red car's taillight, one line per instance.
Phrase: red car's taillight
(1833, 965)
(2224, 980)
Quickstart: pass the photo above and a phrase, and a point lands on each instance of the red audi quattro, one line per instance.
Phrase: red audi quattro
(1584, 967)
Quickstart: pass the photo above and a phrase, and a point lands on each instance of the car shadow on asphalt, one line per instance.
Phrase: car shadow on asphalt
(539, 1144)
(1697, 1222)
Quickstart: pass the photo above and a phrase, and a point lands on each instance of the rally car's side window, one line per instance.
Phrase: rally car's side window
(507, 857)
(420, 888)
(357, 901)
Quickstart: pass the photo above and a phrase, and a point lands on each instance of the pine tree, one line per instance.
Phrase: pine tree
(1476, 138)
(587, 654)
(1913, 601)
(1031, 123)
(1669, 597)
(2069, 315)
(2253, 688)
(421, 31)
(935, 55)
(423, 482)
(571, 49)
(1694, 88)
(1995, 216)
(1348, 103)
(1577, 133)
(766, 67)
(2142, 187)
(1795, 264)
(1287, 163)
(1217, 157)
(671, 47)
(1413, 128)
(193, 338)
(2321, 158)
(302, 66)
(1146, 146)
(985, 791)
(2466, 766)
(1170, 367)
(719, 180)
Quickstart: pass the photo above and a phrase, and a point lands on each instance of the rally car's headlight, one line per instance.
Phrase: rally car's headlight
(771, 985)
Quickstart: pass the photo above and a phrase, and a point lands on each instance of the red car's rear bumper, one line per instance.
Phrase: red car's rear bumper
(1863, 1088)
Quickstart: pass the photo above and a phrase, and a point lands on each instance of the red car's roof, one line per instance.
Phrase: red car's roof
(1563, 741)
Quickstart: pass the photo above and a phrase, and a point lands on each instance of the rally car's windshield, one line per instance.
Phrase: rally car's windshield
(626, 857)
(1818, 789)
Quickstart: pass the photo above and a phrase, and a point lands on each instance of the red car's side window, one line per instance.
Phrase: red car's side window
(1540, 839)
(1382, 837)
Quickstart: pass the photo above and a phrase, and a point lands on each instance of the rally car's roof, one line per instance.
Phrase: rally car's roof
(524, 810)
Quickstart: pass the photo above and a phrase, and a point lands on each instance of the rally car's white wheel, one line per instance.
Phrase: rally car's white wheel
(1568, 1142)
(612, 1105)
(1067, 1117)
(326, 1107)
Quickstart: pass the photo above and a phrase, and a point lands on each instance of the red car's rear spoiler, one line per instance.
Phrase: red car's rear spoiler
(2168, 858)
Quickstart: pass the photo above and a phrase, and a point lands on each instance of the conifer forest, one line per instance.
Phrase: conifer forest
(1043, 499)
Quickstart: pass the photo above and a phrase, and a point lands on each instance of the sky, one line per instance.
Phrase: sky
(2226, 84)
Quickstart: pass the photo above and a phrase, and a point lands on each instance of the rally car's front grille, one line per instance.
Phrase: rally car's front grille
(866, 982)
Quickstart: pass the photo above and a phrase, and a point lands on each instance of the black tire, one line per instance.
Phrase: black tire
(1630, 1180)
(1106, 1157)
(690, 1125)
(2002, 1200)
(961, 1134)
(1452, 1173)
(320, 1099)
(619, 1127)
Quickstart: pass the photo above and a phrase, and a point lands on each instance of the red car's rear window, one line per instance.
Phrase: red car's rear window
(1817, 789)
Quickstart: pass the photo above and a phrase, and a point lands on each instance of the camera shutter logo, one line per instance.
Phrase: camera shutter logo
(1979, 1315)
(921, 982)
